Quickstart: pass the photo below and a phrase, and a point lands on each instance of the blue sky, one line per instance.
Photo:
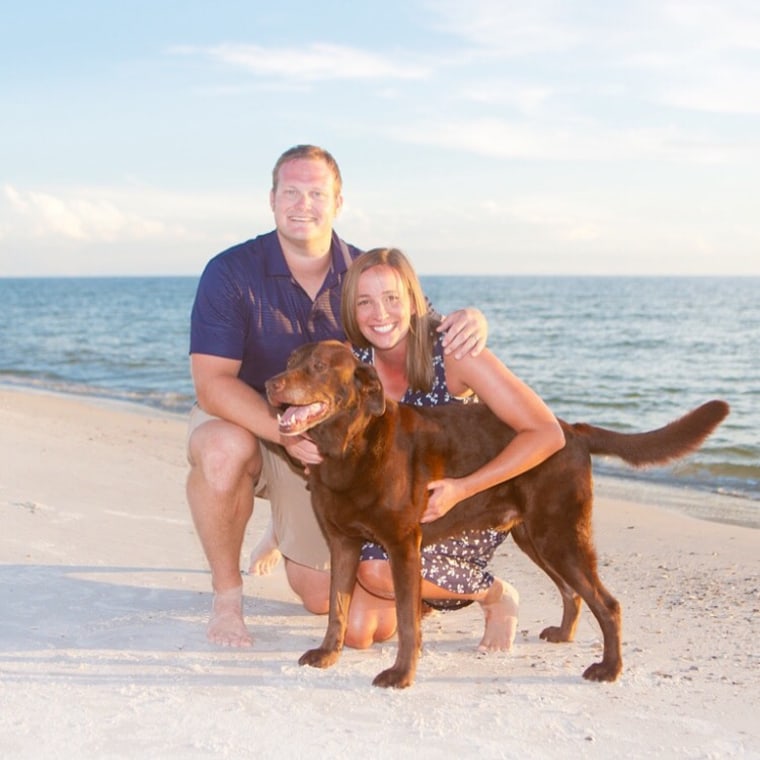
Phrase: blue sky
(485, 136)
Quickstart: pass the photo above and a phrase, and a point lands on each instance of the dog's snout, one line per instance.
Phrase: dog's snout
(274, 384)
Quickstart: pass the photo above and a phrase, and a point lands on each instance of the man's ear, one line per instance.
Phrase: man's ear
(271, 199)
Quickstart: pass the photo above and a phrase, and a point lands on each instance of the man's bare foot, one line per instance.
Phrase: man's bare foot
(265, 554)
(500, 610)
(226, 627)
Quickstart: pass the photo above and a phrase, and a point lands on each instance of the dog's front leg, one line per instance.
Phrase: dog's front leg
(407, 582)
(344, 561)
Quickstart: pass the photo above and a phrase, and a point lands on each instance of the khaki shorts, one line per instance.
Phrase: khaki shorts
(283, 484)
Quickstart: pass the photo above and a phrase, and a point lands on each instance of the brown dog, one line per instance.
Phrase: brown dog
(379, 456)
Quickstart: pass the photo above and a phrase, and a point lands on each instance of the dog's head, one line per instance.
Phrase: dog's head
(326, 390)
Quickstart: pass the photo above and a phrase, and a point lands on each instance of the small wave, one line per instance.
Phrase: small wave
(167, 401)
(713, 478)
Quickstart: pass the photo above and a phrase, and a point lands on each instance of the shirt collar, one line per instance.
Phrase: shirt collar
(277, 266)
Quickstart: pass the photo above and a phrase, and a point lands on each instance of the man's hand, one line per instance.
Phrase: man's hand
(302, 450)
(465, 332)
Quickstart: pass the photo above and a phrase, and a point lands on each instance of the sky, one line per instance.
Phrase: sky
(481, 137)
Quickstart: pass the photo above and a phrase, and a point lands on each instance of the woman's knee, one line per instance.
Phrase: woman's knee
(375, 576)
(359, 635)
(310, 585)
(370, 619)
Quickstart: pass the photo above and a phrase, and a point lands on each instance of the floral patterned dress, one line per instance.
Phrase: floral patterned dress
(458, 564)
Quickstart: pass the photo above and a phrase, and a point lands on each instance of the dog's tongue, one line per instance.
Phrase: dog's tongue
(297, 419)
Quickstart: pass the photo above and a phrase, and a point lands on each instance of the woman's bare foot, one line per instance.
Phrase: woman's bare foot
(500, 607)
(265, 554)
(226, 627)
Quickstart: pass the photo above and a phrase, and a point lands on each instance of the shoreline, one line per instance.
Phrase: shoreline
(106, 594)
(704, 503)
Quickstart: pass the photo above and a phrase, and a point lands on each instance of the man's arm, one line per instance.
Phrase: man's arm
(221, 392)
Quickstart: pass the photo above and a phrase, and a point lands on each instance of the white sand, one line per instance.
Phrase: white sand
(105, 596)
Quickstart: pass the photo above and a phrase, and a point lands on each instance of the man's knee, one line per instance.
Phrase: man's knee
(222, 453)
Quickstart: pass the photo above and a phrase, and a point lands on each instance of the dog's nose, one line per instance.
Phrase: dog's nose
(274, 384)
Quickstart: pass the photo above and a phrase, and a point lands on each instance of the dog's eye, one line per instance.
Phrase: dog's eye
(319, 366)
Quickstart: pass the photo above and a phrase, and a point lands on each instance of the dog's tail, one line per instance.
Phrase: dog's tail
(680, 437)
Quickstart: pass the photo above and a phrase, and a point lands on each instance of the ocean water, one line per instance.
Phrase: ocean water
(631, 353)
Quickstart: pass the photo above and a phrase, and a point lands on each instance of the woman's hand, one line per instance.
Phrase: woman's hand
(444, 494)
(465, 332)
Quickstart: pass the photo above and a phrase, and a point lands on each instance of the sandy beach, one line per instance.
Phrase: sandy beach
(105, 595)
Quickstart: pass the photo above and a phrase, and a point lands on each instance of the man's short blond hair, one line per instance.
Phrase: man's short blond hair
(312, 152)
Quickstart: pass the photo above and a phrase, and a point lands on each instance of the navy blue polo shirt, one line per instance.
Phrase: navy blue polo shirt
(249, 307)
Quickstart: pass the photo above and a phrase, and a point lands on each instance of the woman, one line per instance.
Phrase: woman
(386, 318)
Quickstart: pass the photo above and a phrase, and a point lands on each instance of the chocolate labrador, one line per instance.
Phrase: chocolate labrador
(379, 456)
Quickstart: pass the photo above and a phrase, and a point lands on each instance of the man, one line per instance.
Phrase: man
(255, 303)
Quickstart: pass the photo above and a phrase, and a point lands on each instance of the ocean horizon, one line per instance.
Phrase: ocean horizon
(629, 352)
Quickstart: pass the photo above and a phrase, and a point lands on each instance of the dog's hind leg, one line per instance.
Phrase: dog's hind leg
(606, 610)
(344, 561)
(575, 563)
(571, 602)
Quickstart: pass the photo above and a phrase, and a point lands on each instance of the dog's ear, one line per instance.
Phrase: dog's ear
(369, 385)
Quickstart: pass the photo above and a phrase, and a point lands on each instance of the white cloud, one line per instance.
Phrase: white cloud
(668, 27)
(555, 216)
(122, 229)
(687, 54)
(524, 97)
(512, 28)
(129, 213)
(714, 26)
(314, 62)
(83, 217)
(487, 137)
(723, 89)
(503, 139)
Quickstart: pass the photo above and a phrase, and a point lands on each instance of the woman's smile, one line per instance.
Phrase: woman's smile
(383, 307)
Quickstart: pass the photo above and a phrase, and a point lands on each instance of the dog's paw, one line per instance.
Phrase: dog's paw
(319, 658)
(554, 635)
(601, 671)
(394, 678)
